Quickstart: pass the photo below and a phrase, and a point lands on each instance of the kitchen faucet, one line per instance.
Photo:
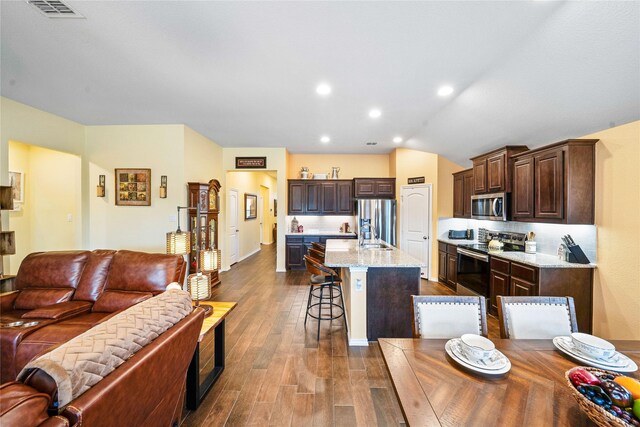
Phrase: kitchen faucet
(366, 224)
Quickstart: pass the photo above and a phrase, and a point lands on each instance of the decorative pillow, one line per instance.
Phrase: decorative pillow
(444, 320)
(537, 321)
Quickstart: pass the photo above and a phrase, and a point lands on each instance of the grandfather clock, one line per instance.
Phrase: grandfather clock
(206, 197)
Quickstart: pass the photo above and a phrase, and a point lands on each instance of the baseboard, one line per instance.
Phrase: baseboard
(249, 254)
(283, 270)
(270, 243)
(357, 342)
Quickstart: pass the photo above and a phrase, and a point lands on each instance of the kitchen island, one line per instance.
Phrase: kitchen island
(377, 286)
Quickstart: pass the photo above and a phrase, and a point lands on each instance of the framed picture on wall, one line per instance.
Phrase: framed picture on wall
(133, 187)
(16, 180)
(250, 206)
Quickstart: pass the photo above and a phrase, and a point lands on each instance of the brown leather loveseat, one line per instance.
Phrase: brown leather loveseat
(67, 293)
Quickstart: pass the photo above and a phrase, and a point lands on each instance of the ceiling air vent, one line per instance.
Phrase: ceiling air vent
(371, 143)
(54, 9)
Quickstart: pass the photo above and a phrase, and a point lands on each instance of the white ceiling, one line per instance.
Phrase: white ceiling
(244, 73)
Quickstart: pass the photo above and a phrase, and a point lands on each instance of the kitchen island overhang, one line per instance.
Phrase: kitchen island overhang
(378, 282)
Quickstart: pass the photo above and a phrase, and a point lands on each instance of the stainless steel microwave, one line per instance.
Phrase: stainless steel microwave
(494, 206)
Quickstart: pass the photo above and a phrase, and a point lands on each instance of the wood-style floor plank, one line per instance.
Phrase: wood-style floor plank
(277, 373)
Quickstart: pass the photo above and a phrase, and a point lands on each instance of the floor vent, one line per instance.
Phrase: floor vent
(54, 9)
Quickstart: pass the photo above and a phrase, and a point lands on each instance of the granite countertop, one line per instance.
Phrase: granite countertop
(348, 253)
(320, 233)
(539, 260)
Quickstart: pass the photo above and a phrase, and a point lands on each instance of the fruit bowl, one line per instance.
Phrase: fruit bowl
(596, 413)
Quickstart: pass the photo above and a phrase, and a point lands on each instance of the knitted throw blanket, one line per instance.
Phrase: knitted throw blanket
(82, 362)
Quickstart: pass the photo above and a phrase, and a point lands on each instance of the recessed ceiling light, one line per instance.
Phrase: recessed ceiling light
(323, 89)
(445, 91)
(375, 113)
(397, 140)
(325, 139)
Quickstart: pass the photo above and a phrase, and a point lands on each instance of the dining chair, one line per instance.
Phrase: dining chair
(448, 316)
(536, 317)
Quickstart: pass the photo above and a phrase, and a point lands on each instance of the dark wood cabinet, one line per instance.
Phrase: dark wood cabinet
(517, 279)
(496, 175)
(556, 183)
(462, 191)
(321, 197)
(549, 184)
(344, 198)
(522, 199)
(374, 188)
(452, 269)
(448, 264)
(297, 195)
(492, 171)
(204, 221)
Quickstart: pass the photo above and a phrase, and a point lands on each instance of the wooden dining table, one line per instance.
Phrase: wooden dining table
(433, 390)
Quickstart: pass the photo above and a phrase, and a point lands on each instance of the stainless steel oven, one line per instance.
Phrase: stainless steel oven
(473, 272)
(490, 206)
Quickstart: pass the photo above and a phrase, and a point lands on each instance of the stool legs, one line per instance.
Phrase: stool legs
(326, 296)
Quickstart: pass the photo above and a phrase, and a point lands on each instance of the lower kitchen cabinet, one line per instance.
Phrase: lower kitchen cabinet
(448, 264)
(516, 279)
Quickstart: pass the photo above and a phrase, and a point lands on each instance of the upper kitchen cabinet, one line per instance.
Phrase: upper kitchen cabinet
(462, 191)
(374, 188)
(320, 197)
(555, 183)
(492, 171)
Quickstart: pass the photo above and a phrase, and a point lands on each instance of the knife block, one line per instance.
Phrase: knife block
(576, 255)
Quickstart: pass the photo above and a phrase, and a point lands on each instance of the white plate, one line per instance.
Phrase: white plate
(468, 364)
(624, 365)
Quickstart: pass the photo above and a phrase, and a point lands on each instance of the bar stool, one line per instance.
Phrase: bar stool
(324, 285)
(318, 246)
(316, 254)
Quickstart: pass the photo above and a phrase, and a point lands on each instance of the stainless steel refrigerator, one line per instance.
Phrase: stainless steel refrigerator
(381, 214)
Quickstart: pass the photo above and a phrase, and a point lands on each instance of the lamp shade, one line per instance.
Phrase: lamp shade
(209, 260)
(199, 286)
(178, 242)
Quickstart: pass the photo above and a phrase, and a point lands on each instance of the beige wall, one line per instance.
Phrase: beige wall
(617, 278)
(351, 165)
(277, 159)
(20, 219)
(437, 171)
(158, 147)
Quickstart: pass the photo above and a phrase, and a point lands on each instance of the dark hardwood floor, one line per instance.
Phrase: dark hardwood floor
(278, 374)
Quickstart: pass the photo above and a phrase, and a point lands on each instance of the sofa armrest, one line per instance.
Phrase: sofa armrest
(61, 310)
(21, 405)
(7, 299)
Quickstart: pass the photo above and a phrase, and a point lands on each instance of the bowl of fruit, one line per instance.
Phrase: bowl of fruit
(608, 398)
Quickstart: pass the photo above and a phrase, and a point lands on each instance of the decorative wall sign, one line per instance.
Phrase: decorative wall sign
(251, 162)
(416, 180)
(250, 206)
(133, 187)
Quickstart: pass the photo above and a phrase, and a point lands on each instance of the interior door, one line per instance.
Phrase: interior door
(232, 228)
(415, 207)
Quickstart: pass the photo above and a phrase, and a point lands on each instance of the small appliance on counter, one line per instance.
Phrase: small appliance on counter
(574, 253)
(461, 234)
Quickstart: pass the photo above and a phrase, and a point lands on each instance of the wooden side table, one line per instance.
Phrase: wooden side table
(208, 360)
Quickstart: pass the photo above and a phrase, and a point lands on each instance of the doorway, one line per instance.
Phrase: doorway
(415, 235)
(232, 227)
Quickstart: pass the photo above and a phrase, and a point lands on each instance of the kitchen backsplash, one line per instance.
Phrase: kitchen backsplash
(320, 223)
(547, 235)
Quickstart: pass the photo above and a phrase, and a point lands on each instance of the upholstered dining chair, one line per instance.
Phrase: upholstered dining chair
(536, 317)
(448, 316)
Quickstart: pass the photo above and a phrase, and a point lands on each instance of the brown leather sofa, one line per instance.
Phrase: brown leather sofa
(146, 390)
(69, 292)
